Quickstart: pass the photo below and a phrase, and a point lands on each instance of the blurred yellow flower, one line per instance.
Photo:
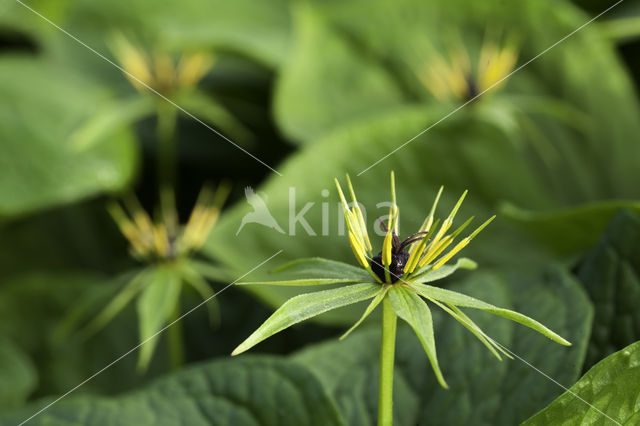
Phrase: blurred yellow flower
(166, 239)
(159, 70)
(456, 78)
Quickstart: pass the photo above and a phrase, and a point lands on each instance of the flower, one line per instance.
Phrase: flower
(456, 78)
(416, 255)
(397, 275)
(165, 248)
(159, 70)
(166, 239)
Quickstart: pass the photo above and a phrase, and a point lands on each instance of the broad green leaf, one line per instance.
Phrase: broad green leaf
(408, 306)
(306, 306)
(327, 81)
(569, 230)
(576, 166)
(459, 299)
(18, 376)
(373, 305)
(483, 391)
(427, 275)
(606, 394)
(43, 106)
(252, 391)
(156, 304)
(110, 119)
(610, 272)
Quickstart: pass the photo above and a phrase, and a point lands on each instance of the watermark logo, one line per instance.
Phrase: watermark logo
(260, 214)
(324, 216)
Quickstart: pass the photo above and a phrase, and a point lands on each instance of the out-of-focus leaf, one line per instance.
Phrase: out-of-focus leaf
(327, 81)
(610, 273)
(308, 305)
(18, 376)
(483, 391)
(607, 393)
(576, 165)
(454, 154)
(253, 391)
(41, 166)
(157, 303)
(32, 306)
(569, 230)
(408, 306)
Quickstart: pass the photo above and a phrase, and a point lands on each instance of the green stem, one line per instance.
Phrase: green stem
(166, 146)
(175, 343)
(387, 353)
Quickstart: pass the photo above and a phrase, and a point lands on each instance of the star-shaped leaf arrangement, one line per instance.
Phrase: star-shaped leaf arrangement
(396, 277)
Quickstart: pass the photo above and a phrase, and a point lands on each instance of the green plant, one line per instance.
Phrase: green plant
(397, 278)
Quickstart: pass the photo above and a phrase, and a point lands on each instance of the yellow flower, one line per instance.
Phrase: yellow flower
(418, 254)
(159, 70)
(455, 78)
(166, 239)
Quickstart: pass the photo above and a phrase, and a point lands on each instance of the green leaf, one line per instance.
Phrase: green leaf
(18, 376)
(426, 275)
(303, 282)
(110, 119)
(328, 81)
(306, 306)
(251, 391)
(156, 304)
(318, 267)
(482, 390)
(44, 105)
(119, 301)
(34, 305)
(417, 314)
(372, 306)
(610, 272)
(569, 230)
(459, 299)
(607, 393)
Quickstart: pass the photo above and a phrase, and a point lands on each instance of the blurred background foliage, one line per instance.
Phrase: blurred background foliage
(316, 89)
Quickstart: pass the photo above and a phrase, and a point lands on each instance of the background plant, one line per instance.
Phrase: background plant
(317, 88)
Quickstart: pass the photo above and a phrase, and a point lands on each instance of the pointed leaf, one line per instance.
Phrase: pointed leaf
(158, 301)
(427, 275)
(415, 311)
(305, 282)
(318, 267)
(459, 299)
(118, 303)
(374, 303)
(195, 280)
(306, 306)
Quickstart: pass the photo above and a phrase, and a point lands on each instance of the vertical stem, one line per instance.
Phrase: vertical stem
(387, 353)
(175, 342)
(166, 146)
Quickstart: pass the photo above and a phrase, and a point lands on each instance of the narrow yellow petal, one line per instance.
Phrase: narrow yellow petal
(358, 251)
(462, 244)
